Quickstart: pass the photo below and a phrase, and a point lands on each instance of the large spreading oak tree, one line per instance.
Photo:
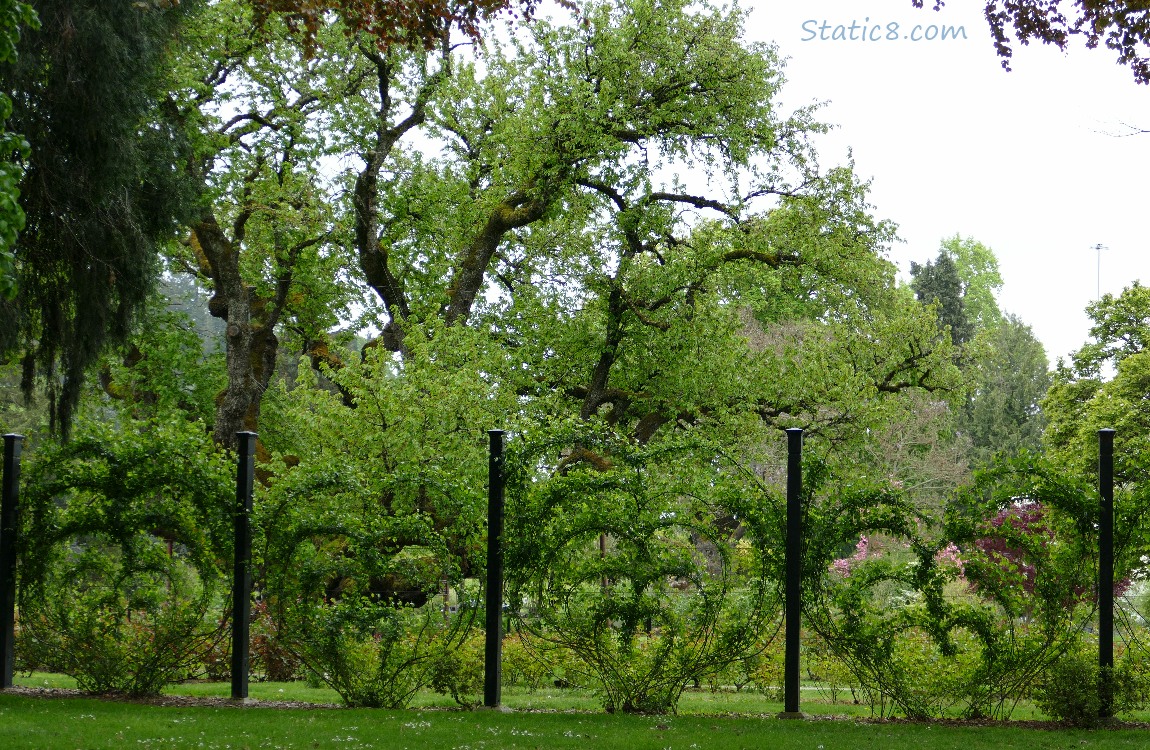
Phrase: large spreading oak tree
(553, 215)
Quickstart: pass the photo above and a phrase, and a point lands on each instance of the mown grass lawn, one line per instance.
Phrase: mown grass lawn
(545, 719)
(547, 699)
(90, 724)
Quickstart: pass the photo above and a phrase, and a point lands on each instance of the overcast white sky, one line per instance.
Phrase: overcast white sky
(1027, 162)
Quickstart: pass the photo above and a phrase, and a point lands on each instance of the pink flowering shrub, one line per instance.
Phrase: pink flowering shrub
(843, 565)
(949, 557)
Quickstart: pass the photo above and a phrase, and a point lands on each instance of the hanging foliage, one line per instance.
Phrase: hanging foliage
(99, 189)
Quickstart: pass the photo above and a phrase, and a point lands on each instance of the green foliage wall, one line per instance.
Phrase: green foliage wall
(125, 552)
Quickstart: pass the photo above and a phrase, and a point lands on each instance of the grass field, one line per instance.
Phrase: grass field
(693, 701)
(89, 724)
(555, 719)
(814, 701)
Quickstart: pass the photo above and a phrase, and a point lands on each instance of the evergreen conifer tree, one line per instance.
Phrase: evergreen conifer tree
(100, 188)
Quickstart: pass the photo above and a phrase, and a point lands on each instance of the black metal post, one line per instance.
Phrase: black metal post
(242, 572)
(1106, 569)
(9, 504)
(794, 562)
(493, 646)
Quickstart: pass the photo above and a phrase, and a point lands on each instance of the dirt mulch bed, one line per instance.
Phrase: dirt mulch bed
(165, 700)
(1009, 723)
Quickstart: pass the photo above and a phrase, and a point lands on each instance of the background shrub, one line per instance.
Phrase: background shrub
(1071, 687)
(460, 671)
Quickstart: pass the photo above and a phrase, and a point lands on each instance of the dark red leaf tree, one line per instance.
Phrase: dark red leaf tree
(396, 22)
(1122, 26)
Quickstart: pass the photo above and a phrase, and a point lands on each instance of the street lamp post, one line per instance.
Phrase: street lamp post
(1099, 247)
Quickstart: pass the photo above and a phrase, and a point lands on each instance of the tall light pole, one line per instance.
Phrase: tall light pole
(1098, 278)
